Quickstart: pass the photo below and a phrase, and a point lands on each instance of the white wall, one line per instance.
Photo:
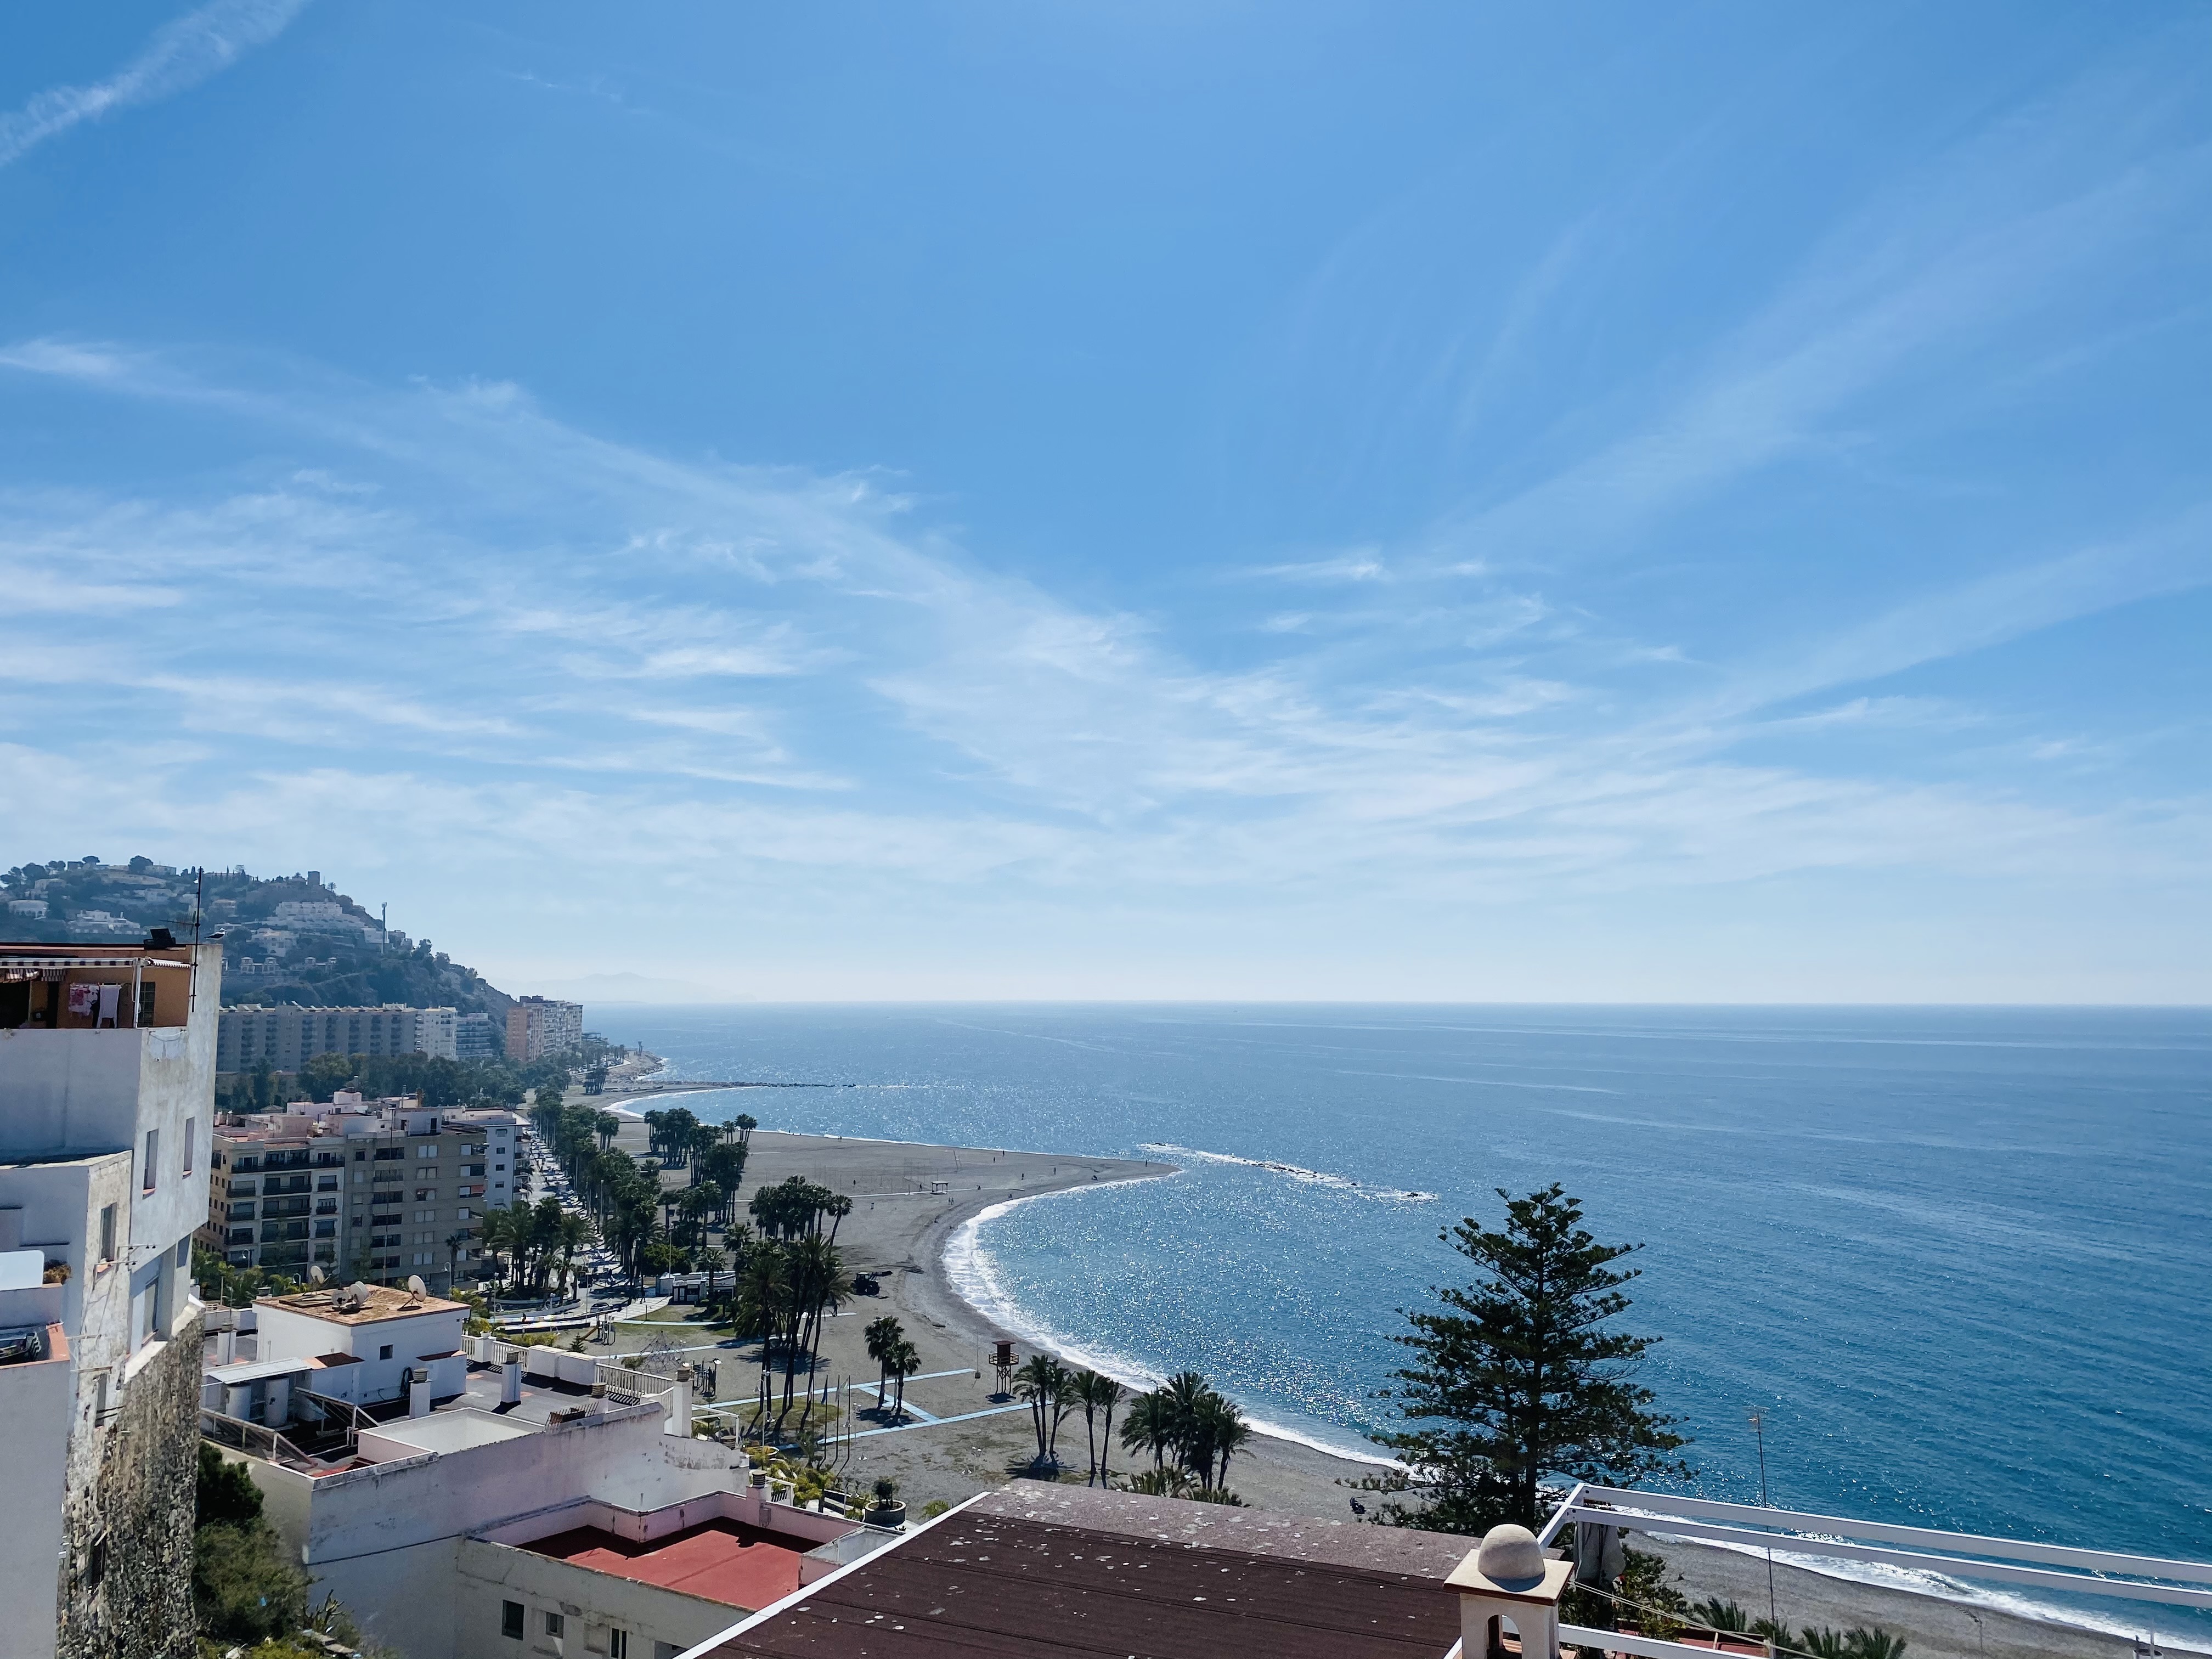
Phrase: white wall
(72, 1094)
(289, 1334)
(381, 1538)
(36, 1400)
(486, 1575)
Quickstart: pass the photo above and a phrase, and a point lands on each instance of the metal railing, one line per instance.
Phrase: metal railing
(256, 1440)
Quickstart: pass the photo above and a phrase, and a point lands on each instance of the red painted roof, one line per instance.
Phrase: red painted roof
(724, 1561)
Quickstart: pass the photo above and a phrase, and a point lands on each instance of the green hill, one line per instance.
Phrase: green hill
(286, 939)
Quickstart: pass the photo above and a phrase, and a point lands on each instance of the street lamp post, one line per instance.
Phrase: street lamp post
(1758, 1428)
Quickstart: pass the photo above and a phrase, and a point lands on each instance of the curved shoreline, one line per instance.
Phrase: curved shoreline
(1007, 1320)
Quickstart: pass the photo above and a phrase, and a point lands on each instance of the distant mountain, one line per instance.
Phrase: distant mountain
(288, 939)
(635, 987)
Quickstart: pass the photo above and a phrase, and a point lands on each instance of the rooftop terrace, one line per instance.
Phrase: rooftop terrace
(726, 1561)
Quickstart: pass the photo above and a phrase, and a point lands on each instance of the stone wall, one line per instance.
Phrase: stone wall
(126, 1573)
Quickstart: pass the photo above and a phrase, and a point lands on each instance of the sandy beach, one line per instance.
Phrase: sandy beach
(962, 1439)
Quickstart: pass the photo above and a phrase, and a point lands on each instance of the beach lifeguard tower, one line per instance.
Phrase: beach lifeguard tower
(1002, 1363)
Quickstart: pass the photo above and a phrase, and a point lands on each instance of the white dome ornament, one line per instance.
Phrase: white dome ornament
(1508, 1585)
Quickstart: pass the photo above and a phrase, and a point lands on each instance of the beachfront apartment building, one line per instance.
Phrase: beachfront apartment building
(538, 1026)
(106, 1098)
(286, 1038)
(369, 1190)
(478, 1036)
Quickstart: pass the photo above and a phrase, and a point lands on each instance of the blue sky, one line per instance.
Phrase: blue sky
(1138, 500)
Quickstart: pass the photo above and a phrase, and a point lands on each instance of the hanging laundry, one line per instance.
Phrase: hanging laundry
(109, 995)
(84, 1000)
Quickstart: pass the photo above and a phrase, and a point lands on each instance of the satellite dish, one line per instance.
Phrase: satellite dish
(415, 1286)
(314, 1275)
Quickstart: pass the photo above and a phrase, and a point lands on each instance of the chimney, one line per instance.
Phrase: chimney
(678, 1421)
(418, 1391)
(226, 1346)
(510, 1379)
(1508, 1583)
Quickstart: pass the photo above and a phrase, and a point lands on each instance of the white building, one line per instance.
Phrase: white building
(539, 1501)
(107, 1099)
(33, 908)
(477, 1037)
(288, 1037)
(315, 916)
(538, 1026)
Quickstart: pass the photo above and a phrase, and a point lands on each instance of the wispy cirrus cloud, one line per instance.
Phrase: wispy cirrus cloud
(178, 57)
(658, 632)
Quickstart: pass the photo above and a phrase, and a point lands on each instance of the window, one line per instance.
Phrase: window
(107, 1235)
(185, 1252)
(617, 1644)
(359, 1153)
(191, 1134)
(510, 1620)
(554, 1623)
(385, 1353)
(152, 1151)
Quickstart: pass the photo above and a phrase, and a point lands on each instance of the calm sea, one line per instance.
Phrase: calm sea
(1960, 1259)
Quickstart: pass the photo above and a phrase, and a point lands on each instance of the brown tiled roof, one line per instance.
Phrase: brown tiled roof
(1037, 1572)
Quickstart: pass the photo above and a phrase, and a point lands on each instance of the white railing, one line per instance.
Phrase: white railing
(1970, 1555)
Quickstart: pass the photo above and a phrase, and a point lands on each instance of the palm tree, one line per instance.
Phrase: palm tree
(821, 1270)
(1092, 1391)
(1105, 1395)
(760, 1301)
(1219, 1432)
(575, 1233)
(1147, 1428)
(883, 1334)
(711, 1262)
(1875, 1644)
(702, 1139)
(905, 1361)
(1039, 1381)
(1825, 1643)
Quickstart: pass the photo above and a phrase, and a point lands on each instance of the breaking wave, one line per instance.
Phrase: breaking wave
(1297, 1172)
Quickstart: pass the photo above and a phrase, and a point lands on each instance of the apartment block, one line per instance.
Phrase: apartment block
(289, 1037)
(538, 1026)
(478, 1036)
(107, 1100)
(369, 1189)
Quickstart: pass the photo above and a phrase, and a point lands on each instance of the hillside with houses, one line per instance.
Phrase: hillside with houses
(286, 939)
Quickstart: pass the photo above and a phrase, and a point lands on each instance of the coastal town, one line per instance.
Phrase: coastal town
(544, 1344)
(1074, 831)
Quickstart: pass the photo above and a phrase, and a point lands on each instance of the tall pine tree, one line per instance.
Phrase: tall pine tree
(1518, 1380)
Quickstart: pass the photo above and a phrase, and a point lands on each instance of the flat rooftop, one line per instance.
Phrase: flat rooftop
(450, 1431)
(726, 1561)
(1037, 1571)
(376, 1302)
